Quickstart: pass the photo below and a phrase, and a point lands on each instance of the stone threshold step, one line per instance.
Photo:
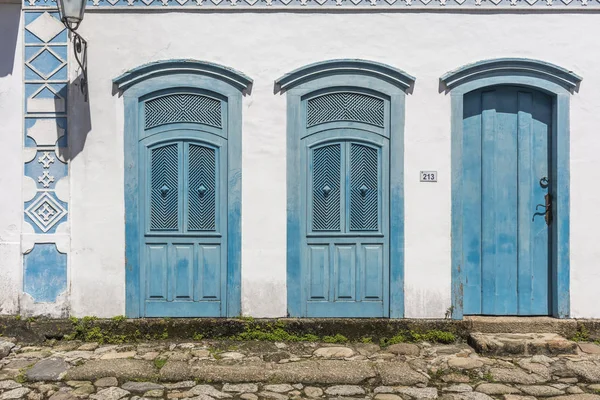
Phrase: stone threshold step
(504, 343)
(306, 372)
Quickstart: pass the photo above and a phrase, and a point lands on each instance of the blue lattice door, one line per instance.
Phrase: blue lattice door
(345, 256)
(184, 226)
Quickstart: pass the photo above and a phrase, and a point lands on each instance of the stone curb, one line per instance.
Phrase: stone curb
(39, 330)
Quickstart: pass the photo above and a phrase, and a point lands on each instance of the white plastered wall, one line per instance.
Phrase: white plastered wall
(11, 159)
(267, 45)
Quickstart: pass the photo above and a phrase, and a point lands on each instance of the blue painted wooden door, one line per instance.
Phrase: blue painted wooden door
(506, 136)
(184, 257)
(346, 252)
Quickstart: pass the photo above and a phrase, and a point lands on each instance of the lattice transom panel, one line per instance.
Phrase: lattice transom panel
(345, 107)
(183, 108)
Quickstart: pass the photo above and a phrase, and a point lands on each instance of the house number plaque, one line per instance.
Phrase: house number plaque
(428, 176)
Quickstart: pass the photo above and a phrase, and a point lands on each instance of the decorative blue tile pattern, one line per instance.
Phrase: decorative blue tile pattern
(44, 212)
(333, 4)
(46, 152)
(45, 83)
(45, 273)
(46, 169)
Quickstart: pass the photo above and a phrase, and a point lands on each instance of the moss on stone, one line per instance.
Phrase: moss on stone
(160, 362)
(411, 336)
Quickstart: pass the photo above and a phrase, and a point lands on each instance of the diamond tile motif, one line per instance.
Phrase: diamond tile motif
(45, 27)
(45, 63)
(45, 212)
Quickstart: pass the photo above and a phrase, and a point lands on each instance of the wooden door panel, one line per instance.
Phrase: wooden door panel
(318, 269)
(345, 272)
(182, 272)
(164, 188)
(471, 224)
(373, 267)
(210, 268)
(185, 267)
(326, 188)
(156, 271)
(535, 116)
(499, 202)
(202, 188)
(364, 188)
(506, 131)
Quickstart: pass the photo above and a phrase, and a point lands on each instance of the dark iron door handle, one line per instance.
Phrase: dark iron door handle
(546, 209)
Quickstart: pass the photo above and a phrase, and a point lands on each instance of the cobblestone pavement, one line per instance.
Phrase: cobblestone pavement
(215, 370)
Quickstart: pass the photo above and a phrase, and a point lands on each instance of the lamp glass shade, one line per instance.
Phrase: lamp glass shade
(71, 11)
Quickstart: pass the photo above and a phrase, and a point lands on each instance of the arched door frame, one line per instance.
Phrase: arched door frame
(361, 75)
(173, 76)
(560, 84)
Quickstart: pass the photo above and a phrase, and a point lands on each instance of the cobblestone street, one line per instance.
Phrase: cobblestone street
(252, 370)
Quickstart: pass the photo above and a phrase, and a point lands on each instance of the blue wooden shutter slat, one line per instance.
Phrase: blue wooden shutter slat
(364, 188)
(326, 188)
(164, 188)
(201, 188)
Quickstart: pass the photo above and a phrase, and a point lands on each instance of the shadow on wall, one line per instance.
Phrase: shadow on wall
(80, 123)
(69, 135)
(10, 15)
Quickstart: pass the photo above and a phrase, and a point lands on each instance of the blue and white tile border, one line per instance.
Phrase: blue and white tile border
(505, 5)
(45, 239)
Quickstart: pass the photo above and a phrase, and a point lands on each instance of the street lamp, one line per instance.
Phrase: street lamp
(71, 15)
(71, 12)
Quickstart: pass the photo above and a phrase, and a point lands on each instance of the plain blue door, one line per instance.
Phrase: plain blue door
(346, 254)
(184, 195)
(506, 179)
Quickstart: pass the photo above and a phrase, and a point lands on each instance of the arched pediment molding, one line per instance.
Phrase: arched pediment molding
(322, 69)
(523, 67)
(144, 72)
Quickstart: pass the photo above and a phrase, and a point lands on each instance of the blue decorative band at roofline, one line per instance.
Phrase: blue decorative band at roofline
(169, 67)
(511, 66)
(334, 4)
(322, 69)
